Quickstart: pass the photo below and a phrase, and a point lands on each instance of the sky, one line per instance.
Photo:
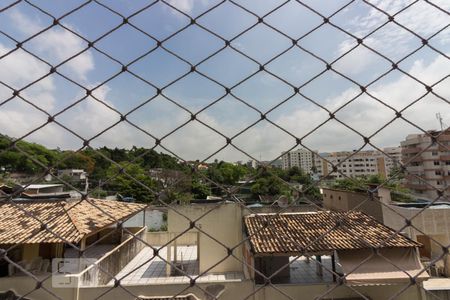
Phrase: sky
(236, 115)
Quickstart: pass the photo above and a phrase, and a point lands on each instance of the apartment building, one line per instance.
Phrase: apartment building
(351, 164)
(393, 157)
(362, 163)
(428, 160)
(302, 158)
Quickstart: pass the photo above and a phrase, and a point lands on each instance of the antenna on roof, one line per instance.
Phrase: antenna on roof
(441, 122)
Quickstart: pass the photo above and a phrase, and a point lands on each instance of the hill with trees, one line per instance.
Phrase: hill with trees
(128, 172)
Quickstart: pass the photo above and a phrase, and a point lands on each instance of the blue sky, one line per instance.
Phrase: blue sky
(230, 115)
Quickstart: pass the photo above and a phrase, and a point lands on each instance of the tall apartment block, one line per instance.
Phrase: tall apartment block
(429, 160)
(302, 158)
(362, 163)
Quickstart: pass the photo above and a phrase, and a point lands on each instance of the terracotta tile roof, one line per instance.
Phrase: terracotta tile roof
(297, 232)
(70, 219)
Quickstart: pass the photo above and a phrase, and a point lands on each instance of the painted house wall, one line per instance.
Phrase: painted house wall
(222, 222)
(346, 200)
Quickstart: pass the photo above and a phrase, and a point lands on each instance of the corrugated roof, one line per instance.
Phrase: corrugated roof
(70, 219)
(318, 232)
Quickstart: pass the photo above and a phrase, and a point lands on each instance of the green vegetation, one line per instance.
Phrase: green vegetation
(109, 171)
(274, 182)
(361, 184)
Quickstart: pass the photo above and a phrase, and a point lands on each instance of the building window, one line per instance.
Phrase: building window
(436, 163)
(437, 172)
(434, 153)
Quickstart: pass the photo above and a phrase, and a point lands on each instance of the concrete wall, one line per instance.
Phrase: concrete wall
(163, 237)
(434, 222)
(115, 260)
(346, 200)
(221, 221)
(233, 291)
(22, 285)
(323, 291)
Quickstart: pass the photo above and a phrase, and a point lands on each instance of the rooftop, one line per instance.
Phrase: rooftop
(41, 186)
(66, 220)
(145, 268)
(294, 233)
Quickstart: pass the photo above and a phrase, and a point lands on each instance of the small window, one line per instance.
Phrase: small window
(436, 163)
(437, 172)
(434, 153)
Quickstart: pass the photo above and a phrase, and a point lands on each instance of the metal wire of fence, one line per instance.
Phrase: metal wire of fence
(328, 66)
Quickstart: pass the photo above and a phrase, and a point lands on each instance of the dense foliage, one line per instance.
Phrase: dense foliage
(127, 172)
(361, 184)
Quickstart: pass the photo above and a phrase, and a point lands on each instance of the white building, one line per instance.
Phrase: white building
(74, 174)
(301, 158)
(362, 163)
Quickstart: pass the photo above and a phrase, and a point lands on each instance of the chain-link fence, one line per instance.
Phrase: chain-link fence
(152, 103)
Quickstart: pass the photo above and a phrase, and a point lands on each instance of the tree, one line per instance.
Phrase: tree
(140, 189)
(199, 190)
(77, 160)
(32, 158)
(226, 173)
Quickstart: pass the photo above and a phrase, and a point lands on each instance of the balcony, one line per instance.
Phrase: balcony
(444, 137)
(415, 169)
(411, 150)
(445, 157)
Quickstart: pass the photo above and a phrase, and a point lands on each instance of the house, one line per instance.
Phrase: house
(73, 174)
(430, 225)
(219, 250)
(36, 232)
(278, 240)
(34, 191)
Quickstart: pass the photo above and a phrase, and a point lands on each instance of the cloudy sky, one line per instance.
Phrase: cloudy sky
(298, 114)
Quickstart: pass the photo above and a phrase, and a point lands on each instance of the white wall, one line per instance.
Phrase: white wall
(222, 222)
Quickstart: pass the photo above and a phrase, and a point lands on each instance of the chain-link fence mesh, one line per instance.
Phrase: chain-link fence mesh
(199, 80)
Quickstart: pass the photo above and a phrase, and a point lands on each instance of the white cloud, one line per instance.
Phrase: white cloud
(56, 45)
(392, 40)
(187, 6)
(195, 141)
